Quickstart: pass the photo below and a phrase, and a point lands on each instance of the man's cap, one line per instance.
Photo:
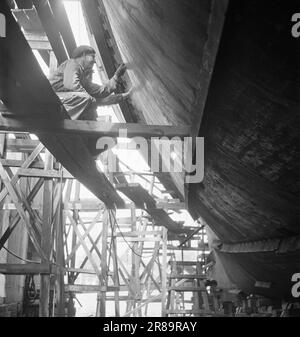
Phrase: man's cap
(81, 50)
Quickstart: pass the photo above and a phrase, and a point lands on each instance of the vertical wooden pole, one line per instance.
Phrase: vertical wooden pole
(134, 271)
(60, 286)
(203, 293)
(164, 272)
(4, 223)
(46, 238)
(74, 237)
(115, 262)
(138, 257)
(148, 295)
(101, 307)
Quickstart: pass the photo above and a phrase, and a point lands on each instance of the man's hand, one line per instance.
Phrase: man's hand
(120, 71)
(128, 93)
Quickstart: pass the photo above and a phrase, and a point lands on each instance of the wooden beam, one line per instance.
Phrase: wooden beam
(278, 245)
(214, 33)
(101, 305)
(196, 249)
(144, 200)
(50, 25)
(164, 272)
(170, 205)
(91, 128)
(114, 256)
(60, 16)
(23, 269)
(186, 289)
(60, 259)
(184, 263)
(19, 163)
(46, 174)
(186, 277)
(81, 271)
(46, 238)
(24, 4)
(95, 20)
(88, 288)
(40, 45)
(21, 145)
(38, 41)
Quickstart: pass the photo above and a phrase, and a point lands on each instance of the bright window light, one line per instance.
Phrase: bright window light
(75, 16)
(41, 62)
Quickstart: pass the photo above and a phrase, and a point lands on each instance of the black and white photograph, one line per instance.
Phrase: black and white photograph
(149, 161)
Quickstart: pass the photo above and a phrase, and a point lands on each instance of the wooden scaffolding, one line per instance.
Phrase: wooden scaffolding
(72, 245)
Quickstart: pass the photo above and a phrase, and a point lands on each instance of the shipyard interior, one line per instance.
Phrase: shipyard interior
(179, 198)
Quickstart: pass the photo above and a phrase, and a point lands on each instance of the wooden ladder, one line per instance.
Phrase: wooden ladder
(182, 281)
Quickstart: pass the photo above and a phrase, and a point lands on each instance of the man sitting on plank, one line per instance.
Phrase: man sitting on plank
(72, 82)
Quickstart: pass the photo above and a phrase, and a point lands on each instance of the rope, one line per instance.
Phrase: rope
(19, 257)
(130, 247)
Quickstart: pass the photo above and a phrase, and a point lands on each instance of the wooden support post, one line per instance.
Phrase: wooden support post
(74, 237)
(60, 286)
(148, 295)
(164, 272)
(114, 254)
(2, 144)
(4, 224)
(200, 284)
(101, 307)
(46, 238)
(139, 261)
(134, 268)
(66, 200)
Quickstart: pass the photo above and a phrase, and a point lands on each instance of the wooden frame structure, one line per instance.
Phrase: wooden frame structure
(125, 257)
